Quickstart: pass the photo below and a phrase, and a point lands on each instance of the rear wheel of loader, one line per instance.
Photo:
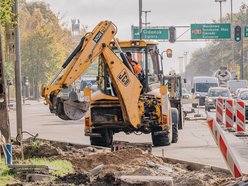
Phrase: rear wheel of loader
(161, 138)
(105, 140)
(175, 120)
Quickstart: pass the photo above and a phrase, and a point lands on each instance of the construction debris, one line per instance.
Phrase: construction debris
(127, 167)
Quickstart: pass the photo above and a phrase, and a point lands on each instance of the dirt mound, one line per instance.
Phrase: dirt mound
(131, 157)
(44, 150)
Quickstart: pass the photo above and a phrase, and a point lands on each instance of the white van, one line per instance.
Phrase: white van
(200, 86)
(233, 85)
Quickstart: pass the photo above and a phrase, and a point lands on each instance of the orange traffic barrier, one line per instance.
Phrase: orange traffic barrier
(240, 116)
(229, 115)
(219, 110)
(221, 141)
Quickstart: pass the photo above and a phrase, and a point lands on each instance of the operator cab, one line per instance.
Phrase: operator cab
(143, 52)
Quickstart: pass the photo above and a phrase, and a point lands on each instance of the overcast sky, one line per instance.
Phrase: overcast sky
(124, 13)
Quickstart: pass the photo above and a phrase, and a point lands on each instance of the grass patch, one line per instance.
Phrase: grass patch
(56, 167)
(5, 176)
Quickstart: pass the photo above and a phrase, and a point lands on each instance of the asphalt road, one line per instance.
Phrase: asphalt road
(195, 141)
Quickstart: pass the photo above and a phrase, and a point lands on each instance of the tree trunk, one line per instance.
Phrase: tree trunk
(4, 121)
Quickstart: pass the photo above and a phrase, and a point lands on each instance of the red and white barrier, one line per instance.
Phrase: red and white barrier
(219, 110)
(229, 115)
(224, 148)
(240, 116)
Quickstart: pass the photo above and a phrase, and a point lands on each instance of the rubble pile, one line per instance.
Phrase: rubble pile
(102, 167)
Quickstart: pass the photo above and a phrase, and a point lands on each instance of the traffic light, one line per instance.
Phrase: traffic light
(172, 34)
(169, 53)
(237, 33)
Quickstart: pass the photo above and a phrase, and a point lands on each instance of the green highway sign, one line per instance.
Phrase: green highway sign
(211, 31)
(245, 31)
(150, 33)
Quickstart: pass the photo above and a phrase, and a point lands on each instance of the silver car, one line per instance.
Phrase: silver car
(213, 94)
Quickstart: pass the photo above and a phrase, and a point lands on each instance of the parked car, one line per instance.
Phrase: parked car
(213, 94)
(239, 91)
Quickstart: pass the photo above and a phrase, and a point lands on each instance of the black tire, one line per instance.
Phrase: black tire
(161, 139)
(180, 122)
(105, 140)
(175, 121)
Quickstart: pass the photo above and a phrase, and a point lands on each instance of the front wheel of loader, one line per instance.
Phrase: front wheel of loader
(175, 121)
(105, 140)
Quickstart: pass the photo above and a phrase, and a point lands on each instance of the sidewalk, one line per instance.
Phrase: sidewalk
(27, 102)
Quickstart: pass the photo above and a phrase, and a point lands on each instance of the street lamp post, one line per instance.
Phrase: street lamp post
(221, 44)
(220, 1)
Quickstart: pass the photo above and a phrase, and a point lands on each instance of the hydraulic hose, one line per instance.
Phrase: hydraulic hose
(74, 53)
(68, 60)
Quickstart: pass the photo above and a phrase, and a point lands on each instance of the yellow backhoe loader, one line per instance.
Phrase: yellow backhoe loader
(124, 102)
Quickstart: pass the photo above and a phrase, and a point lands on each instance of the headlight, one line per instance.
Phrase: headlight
(197, 95)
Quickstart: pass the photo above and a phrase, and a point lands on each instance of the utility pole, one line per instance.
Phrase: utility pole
(140, 18)
(4, 121)
(180, 65)
(186, 58)
(18, 75)
(146, 23)
(242, 54)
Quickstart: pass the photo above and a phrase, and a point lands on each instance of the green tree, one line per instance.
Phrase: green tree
(45, 44)
(6, 14)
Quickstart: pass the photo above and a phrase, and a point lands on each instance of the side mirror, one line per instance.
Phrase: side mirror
(192, 90)
(185, 80)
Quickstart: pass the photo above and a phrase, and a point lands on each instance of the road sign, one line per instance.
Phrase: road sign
(150, 33)
(211, 31)
(246, 31)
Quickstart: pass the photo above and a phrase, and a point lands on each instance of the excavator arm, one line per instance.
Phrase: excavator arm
(126, 84)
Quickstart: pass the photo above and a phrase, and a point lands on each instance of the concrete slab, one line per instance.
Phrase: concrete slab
(148, 180)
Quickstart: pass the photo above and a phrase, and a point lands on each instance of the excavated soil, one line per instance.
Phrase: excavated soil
(102, 167)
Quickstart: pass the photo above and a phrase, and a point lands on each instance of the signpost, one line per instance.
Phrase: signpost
(211, 31)
(150, 33)
(245, 31)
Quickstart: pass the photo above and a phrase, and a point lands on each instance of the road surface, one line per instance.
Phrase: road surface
(195, 141)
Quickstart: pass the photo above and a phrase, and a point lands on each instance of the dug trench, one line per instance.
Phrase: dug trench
(100, 166)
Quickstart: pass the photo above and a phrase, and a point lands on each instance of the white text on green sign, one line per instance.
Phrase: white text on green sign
(210, 31)
(150, 33)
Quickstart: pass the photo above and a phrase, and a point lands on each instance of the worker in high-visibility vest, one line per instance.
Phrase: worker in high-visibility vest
(136, 66)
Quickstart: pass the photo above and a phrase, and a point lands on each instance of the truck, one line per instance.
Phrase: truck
(175, 94)
(223, 76)
(123, 101)
(200, 86)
